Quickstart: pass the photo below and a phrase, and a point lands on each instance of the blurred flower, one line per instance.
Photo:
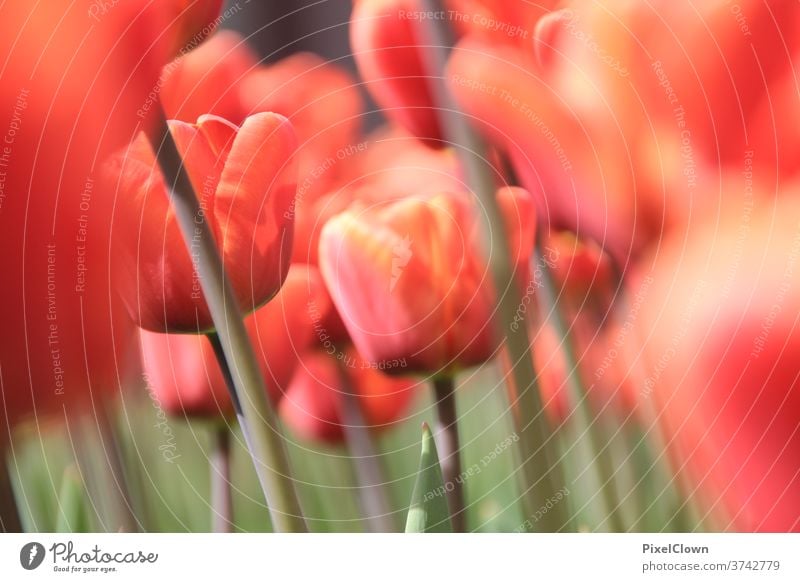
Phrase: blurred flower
(624, 123)
(182, 369)
(387, 43)
(246, 186)
(75, 74)
(409, 280)
(183, 373)
(314, 402)
(718, 347)
(209, 80)
(289, 325)
(582, 273)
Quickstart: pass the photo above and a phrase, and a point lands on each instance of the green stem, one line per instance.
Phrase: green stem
(541, 472)
(236, 355)
(588, 430)
(371, 480)
(447, 443)
(221, 498)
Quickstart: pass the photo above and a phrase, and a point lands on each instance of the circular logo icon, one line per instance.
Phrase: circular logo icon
(31, 555)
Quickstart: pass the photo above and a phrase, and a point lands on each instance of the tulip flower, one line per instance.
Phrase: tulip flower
(314, 401)
(182, 369)
(718, 342)
(582, 272)
(246, 184)
(408, 279)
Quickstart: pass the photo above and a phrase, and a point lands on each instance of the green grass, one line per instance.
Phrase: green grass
(173, 497)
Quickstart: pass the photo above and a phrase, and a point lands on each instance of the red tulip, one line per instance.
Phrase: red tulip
(246, 185)
(385, 45)
(408, 279)
(74, 75)
(582, 273)
(313, 404)
(720, 338)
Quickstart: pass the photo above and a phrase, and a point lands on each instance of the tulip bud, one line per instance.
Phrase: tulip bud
(245, 182)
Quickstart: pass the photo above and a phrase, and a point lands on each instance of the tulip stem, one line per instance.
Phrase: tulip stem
(10, 521)
(447, 443)
(540, 470)
(235, 353)
(588, 431)
(221, 497)
(369, 473)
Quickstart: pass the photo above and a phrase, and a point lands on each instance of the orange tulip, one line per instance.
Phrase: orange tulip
(720, 364)
(246, 185)
(312, 406)
(408, 279)
(290, 324)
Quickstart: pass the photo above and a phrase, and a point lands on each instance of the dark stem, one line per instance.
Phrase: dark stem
(540, 473)
(9, 514)
(447, 443)
(369, 472)
(258, 421)
(221, 497)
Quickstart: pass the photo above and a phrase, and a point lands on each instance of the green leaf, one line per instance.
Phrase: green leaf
(428, 512)
(72, 516)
